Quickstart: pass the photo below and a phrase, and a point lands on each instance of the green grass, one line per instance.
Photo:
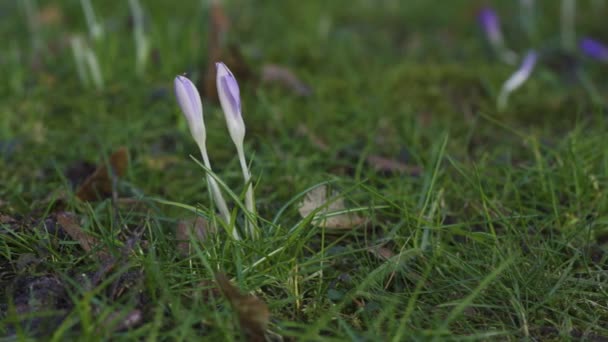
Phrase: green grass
(500, 236)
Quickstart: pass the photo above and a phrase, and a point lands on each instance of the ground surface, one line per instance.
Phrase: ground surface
(477, 223)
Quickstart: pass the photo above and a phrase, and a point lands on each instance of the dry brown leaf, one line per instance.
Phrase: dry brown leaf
(272, 73)
(198, 227)
(50, 15)
(69, 223)
(119, 321)
(318, 198)
(381, 252)
(99, 184)
(6, 219)
(252, 312)
(383, 164)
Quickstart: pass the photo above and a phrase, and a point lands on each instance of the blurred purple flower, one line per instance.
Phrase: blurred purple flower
(594, 49)
(518, 78)
(490, 23)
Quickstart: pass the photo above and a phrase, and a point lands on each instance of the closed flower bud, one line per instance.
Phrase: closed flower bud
(189, 101)
(230, 99)
(490, 23)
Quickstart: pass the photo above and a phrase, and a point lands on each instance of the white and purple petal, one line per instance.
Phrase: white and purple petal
(230, 99)
(190, 103)
(490, 24)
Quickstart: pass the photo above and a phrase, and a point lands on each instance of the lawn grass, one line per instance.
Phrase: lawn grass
(499, 234)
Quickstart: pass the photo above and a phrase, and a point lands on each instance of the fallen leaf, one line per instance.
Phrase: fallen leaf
(382, 164)
(119, 321)
(99, 184)
(6, 219)
(69, 223)
(198, 227)
(252, 312)
(50, 15)
(272, 73)
(381, 252)
(318, 199)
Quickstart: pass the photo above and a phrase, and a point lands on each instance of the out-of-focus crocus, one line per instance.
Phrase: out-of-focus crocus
(189, 101)
(517, 79)
(230, 99)
(490, 23)
(594, 49)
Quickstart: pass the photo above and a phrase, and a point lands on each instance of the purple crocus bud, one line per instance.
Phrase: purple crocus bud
(519, 77)
(230, 99)
(490, 24)
(189, 101)
(594, 49)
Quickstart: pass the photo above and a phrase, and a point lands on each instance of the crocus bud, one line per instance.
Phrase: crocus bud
(230, 99)
(190, 102)
(517, 79)
(594, 49)
(490, 23)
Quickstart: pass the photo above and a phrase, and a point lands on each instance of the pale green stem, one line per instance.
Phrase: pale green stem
(568, 17)
(95, 29)
(94, 68)
(139, 36)
(501, 102)
(217, 195)
(78, 51)
(249, 202)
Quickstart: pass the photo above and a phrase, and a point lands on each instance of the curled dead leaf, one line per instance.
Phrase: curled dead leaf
(252, 312)
(332, 213)
(120, 321)
(69, 223)
(99, 184)
(50, 15)
(272, 73)
(387, 165)
(381, 252)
